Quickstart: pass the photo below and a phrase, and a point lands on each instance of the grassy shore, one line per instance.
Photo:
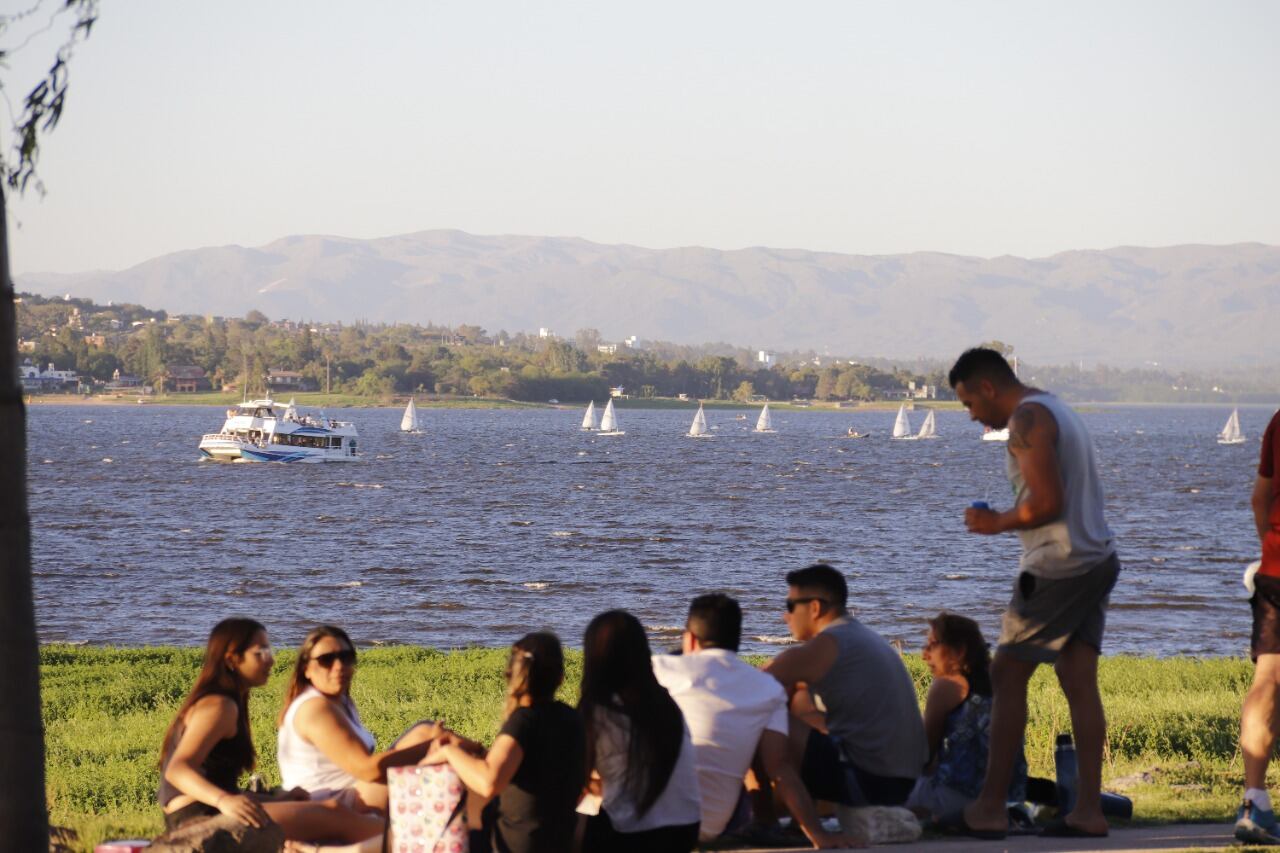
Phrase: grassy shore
(1174, 720)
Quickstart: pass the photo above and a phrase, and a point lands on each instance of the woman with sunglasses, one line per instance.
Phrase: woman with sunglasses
(323, 747)
(209, 746)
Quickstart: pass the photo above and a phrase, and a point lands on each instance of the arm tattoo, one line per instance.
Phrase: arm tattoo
(1020, 426)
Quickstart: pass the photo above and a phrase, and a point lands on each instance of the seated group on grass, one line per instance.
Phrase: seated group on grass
(662, 751)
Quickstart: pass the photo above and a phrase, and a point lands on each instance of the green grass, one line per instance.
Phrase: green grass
(106, 710)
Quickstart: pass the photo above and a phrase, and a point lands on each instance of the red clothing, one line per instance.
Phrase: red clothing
(1267, 468)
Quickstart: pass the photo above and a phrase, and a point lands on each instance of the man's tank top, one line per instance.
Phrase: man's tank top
(1079, 539)
(304, 766)
(870, 703)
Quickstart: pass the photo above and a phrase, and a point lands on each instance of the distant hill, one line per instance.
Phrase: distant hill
(1181, 305)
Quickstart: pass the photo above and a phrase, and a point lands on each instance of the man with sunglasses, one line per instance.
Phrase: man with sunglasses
(855, 719)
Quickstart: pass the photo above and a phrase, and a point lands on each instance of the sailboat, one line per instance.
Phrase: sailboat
(902, 425)
(1231, 433)
(765, 424)
(589, 419)
(409, 422)
(698, 429)
(928, 429)
(609, 421)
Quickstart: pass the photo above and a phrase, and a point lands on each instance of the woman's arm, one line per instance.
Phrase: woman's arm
(212, 719)
(487, 775)
(945, 695)
(327, 727)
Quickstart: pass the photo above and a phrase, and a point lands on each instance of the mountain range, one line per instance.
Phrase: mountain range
(1179, 306)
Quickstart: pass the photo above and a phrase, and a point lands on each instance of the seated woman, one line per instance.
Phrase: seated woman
(209, 745)
(323, 748)
(535, 767)
(637, 745)
(957, 721)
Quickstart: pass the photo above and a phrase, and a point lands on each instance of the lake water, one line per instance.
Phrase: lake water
(497, 522)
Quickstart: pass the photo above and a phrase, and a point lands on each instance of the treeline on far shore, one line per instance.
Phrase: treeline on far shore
(104, 342)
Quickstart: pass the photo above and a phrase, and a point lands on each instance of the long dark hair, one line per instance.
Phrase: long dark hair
(617, 675)
(298, 680)
(963, 634)
(534, 669)
(228, 637)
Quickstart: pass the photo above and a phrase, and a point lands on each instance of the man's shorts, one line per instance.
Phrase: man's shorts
(1046, 614)
(1266, 616)
(827, 775)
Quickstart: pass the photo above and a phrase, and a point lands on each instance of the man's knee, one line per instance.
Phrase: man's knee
(1266, 670)
(1010, 672)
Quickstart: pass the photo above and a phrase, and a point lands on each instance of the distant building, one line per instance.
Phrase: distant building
(768, 359)
(544, 332)
(51, 379)
(96, 340)
(633, 343)
(617, 392)
(607, 349)
(188, 378)
(123, 382)
(288, 380)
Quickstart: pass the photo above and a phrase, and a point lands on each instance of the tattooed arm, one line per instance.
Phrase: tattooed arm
(1033, 441)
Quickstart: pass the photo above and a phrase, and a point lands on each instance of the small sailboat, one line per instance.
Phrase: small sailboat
(589, 419)
(989, 434)
(409, 421)
(698, 429)
(765, 423)
(902, 424)
(1231, 433)
(609, 421)
(853, 433)
(928, 429)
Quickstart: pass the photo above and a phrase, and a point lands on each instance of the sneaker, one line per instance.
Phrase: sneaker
(1256, 826)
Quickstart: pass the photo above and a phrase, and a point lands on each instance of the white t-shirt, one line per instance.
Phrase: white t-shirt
(302, 764)
(678, 803)
(728, 704)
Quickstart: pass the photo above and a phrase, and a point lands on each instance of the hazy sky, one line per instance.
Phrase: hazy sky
(979, 128)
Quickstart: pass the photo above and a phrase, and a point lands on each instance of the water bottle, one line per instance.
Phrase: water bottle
(980, 505)
(1117, 805)
(1065, 773)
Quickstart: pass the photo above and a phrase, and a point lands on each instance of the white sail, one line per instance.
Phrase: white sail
(902, 426)
(609, 421)
(409, 422)
(589, 419)
(765, 423)
(1231, 433)
(928, 429)
(699, 426)
(291, 411)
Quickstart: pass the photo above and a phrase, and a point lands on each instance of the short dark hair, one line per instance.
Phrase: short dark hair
(825, 579)
(981, 363)
(716, 620)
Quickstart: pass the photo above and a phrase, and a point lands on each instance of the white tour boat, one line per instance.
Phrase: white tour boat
(255, 432)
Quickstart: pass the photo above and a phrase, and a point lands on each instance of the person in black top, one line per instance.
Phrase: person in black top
(536, 767)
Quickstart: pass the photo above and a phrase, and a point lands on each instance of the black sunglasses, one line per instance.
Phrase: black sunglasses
(347, 656)
(792, 602)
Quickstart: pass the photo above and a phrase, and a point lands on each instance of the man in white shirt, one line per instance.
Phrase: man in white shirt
(735, 713)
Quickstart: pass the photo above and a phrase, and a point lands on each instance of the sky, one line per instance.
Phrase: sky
(979, 128)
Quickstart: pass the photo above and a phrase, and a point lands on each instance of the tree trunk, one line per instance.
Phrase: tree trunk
(24, 820)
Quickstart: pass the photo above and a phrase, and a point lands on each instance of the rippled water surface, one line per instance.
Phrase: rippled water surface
(498, 522)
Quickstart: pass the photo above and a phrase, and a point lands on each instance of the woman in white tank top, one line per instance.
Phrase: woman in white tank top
(323, 747)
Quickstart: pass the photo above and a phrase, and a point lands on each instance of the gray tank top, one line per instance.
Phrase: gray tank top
(871, 703)
(1080, 538)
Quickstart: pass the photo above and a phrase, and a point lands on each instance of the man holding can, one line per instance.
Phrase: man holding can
(1068, 567)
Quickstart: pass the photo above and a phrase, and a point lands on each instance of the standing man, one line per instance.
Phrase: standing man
(1069, 565)
(1256, 821)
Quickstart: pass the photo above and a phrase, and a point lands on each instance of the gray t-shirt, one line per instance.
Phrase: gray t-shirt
(1080, 539)
(871, 703)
